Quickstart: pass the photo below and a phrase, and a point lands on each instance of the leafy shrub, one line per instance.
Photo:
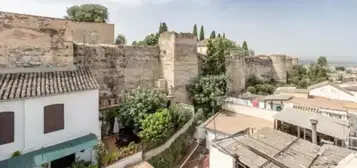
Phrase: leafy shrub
(123, 152)
(207, 90)
(252, 89)
(83, 164)
(171, 155)
(137, 104)
(179, 115)
(156, 128)
(15, 154)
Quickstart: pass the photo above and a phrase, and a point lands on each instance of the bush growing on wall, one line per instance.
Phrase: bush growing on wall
(156, 127)
(171, 155)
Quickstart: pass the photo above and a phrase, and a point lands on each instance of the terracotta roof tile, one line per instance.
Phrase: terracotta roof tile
(35, 84)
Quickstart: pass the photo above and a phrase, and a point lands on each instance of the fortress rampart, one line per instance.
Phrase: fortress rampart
(28, 41)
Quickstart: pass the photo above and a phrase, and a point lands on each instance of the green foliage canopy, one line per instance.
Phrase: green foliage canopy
(322, 61)
(139, 103)
(156, 126)
(213, 35)
(120, 40)
(88, 13)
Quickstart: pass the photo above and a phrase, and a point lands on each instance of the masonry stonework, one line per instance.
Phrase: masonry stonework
(119, 68)
(28, 41)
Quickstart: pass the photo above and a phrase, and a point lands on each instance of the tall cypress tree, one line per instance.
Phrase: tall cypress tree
(194, 32)
(219, 35)
(213, 35)
(245, 45)
(202, 34)
(224, 35)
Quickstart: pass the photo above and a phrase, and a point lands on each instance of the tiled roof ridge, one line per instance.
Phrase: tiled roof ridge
(20, 85)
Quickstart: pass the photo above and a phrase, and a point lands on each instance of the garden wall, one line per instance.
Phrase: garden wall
(129, 160)
(156, 151)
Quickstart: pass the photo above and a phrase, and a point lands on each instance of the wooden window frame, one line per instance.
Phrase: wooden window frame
(7, 127)
(53, 118)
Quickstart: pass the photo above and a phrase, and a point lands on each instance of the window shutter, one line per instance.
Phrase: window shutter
(7, 127)
(53, 118)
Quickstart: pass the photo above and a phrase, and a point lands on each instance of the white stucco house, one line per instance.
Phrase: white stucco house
(49, 115)
(330, 90)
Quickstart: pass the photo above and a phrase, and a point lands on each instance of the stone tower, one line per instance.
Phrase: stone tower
(235, 71)
(279, 67)
(179, 61)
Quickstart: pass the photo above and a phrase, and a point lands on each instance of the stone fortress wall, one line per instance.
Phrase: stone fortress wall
(28, 41)
(240, 68)
(36, 41)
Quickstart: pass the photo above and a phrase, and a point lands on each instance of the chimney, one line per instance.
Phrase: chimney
(314, 122)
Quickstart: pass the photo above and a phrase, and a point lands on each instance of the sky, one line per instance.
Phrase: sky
(301, 28)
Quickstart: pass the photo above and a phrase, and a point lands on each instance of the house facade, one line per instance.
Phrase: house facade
(50, 116)
(331, 91)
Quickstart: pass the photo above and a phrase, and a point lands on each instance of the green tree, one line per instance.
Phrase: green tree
(213, 35)
(252, 89)
(202, 33)
(340, 68)
(88, 13)
(322, 61)
(245, 45)
(120, 40)
(163, 28)
(194, 32)
(219, 35)
(156, 127)
(134, 43)
(150, 40)
(207, 93)
(137, 104)
(224, 35)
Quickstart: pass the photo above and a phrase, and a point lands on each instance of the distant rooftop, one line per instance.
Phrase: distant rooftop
(326, 125)
(270, 148)
(230, 123)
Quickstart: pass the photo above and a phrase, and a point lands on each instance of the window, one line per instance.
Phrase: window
(7, 127)
(53, 118)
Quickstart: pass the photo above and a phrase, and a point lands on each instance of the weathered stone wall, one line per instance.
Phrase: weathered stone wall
(235, 71)
(179, 60)
(279, 65)
(118, 68)
(93, 33)
(185, 65)
(33, 41)
(36, 41)
(260, 66)
(295, 61)
(167, 57)
(289, 64)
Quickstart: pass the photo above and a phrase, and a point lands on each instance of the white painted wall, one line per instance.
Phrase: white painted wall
(202, 50)
(250, 111)
(81, 110)
(210, 136)
(218, 159)
(331, 92)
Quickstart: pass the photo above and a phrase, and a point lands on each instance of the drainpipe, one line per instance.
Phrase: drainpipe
(314, 122)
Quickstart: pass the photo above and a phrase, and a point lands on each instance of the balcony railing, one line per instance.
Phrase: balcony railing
(352, 143)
